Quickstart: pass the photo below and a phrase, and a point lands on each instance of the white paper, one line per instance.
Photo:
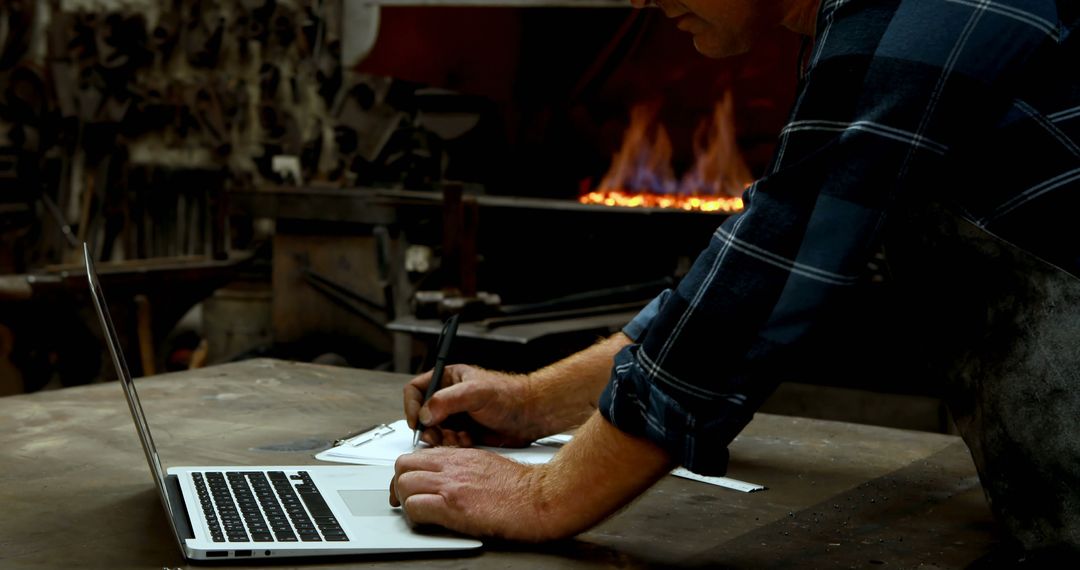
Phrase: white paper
(385, 449)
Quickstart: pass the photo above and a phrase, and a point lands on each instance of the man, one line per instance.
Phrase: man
(897, 97)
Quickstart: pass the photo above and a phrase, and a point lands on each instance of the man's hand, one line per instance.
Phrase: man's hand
(483, 494)
(474, 492)
(495, 402)
(511, 410)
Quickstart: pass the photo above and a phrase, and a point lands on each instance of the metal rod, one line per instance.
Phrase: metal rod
(497, 322)
(650, 288)
(503, 3)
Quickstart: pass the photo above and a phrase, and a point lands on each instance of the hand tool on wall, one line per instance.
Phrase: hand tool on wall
(360, 304)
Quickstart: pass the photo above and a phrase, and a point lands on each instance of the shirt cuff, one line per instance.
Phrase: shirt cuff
(695, 439)
(637, 327)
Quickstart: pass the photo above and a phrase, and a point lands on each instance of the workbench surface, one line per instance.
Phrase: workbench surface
(76, 493)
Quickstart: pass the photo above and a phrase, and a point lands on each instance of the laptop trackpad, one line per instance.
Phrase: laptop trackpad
(368, 503)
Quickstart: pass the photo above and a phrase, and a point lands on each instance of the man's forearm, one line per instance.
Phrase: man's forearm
(564, 395)
(597, 473)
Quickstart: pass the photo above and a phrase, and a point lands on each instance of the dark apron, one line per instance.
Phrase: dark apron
(1001, 327)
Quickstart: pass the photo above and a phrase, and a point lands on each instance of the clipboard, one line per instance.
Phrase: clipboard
(361, 437)
(383, 443)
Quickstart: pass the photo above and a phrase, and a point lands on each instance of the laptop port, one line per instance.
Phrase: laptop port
(217, 553)
(239, 553)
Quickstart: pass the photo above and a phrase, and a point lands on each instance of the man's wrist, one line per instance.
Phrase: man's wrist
(564, 395)
(532, 409)
(550, 515)
(594, 475)
(560, 510)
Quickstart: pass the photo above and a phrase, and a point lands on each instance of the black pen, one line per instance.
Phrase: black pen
(442, 349)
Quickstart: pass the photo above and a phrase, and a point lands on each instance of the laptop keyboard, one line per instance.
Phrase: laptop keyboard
(258, 506)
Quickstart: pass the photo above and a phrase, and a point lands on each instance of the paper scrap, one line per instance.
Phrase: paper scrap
(727, 482)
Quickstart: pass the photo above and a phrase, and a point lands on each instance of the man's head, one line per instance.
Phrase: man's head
(729, 27)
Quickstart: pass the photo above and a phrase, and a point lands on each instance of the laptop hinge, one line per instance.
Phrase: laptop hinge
(179, 510)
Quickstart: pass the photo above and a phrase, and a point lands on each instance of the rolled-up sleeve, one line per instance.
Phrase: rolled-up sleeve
(635, 405)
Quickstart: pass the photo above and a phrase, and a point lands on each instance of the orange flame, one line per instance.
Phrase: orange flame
(644, 162)
(641, 175)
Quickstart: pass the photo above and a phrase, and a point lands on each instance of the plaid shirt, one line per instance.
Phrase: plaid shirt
(976, 102)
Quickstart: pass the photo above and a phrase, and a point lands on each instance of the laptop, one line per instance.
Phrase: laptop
(231, 512)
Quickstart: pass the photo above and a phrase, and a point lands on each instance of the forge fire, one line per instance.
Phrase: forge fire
(641, 175)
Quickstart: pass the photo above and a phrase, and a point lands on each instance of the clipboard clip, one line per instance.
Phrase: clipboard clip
(373, 433)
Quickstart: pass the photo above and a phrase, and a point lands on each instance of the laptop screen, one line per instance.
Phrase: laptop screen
(124, 376)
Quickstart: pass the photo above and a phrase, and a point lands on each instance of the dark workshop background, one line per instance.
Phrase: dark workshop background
(247, 190)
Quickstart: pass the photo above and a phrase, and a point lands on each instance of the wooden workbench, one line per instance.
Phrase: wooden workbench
(75, 490)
